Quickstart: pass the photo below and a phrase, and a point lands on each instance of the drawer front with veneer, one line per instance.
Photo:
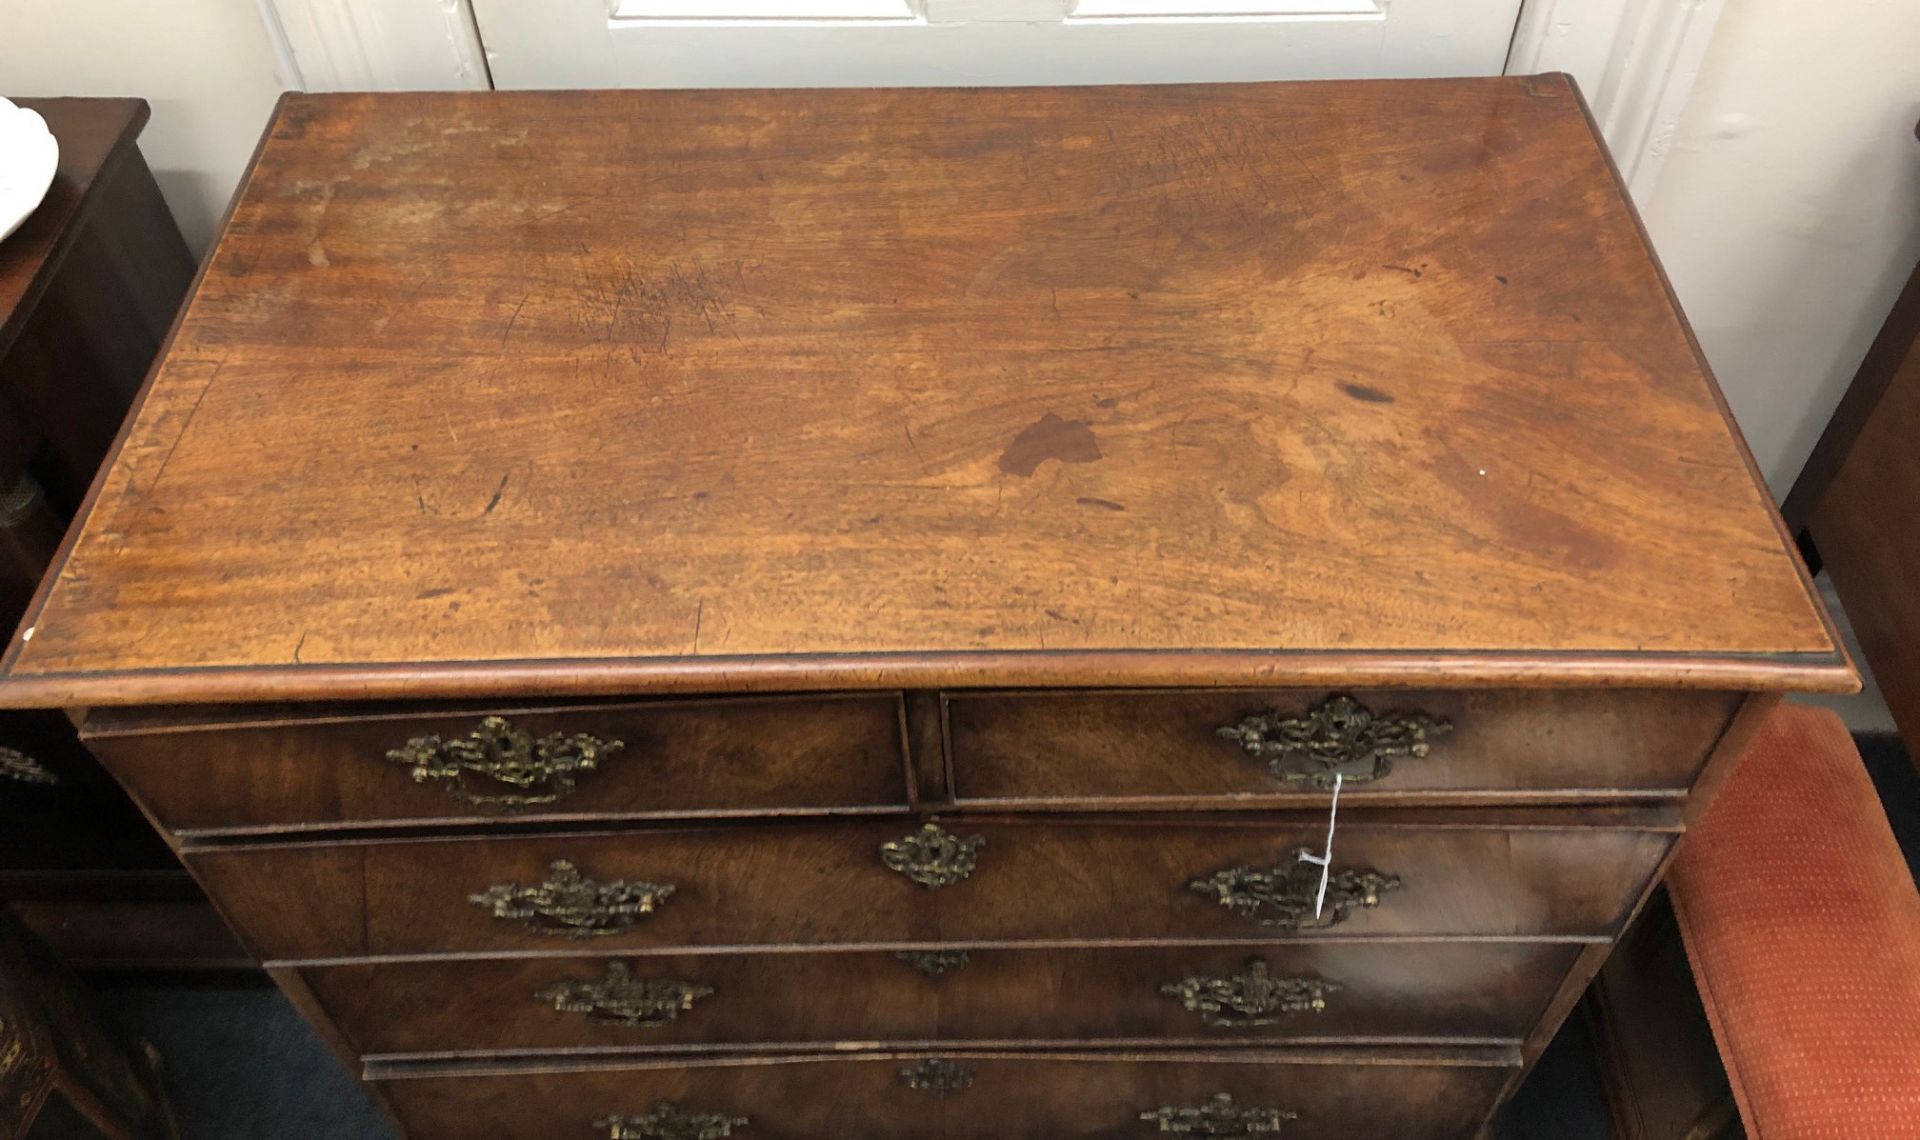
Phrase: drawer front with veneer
(1249, 748)
(1072, 881)
(731, 756)
(1334, 991)
(962, 1096)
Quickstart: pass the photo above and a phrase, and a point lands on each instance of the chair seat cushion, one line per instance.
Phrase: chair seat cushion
(1803, 929)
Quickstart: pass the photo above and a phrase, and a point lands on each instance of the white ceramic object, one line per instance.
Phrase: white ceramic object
(29, 154)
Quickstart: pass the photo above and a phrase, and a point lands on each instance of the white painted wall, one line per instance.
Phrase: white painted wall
(206, 66)
(1788, 209)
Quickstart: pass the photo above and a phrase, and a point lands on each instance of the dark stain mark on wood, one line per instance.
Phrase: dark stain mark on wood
(1069, 441)
(436, 592)
(1370, 395)
(497, 493)
(1109, 402)
(1501, 278)
(1103, 504)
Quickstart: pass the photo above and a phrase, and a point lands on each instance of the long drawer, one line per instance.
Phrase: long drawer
(1329, 991)
(964, 1096)
(1256, 748)
(208, 774)
(889, 884)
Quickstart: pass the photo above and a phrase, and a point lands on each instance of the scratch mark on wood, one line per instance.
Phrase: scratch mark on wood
(508, 331)
(915, 445)
(182, 434)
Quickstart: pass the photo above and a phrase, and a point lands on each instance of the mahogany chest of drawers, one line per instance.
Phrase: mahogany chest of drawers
(796, 615)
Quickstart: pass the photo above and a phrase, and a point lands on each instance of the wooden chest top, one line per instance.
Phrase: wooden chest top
(622, 391)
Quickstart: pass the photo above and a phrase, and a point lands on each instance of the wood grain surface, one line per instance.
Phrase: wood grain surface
(791, 886)
(1011, 1097)
(1384, 992)
(1149, 750)
(317, 768)
(590, 391)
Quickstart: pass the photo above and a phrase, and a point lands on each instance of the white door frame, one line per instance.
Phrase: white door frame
(1636, 60)
(376, 45)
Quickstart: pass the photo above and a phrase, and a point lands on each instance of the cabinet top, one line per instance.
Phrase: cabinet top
(1312, 383)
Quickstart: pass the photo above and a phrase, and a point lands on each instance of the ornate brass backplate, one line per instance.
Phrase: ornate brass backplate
(16, 765)
(933, 963)
(1252, 997)
(666, 1122)
(1337, 736)
(619, 998)
(937, 1075)
(25, 1071)
(1218, 1117)
(1283, 895)
(496, 756)
(567, 903)
(932, 856)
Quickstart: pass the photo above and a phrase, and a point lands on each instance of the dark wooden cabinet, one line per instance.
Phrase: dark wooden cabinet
(696, 614)
(64, 1074)
(88, 286)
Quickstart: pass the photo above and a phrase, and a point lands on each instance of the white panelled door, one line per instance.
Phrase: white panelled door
(923, 43)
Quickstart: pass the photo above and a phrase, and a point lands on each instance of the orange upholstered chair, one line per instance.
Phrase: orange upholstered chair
(1803, 929)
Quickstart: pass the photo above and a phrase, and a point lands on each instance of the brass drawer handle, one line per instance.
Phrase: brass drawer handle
(1283, 895)
(622, 999)
(937, 1075)
(666, 1122)
(570, 904)
(1249, 998)
(1338, 735)
(545, 770)
(17, 765)
(933, 963)
(932, 856)
(1218, 1117)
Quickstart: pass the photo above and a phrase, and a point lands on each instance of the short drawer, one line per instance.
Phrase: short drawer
(1250, 748)
(1328, 992)
(965, 1096)
(1070, 881)
(201, 774)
